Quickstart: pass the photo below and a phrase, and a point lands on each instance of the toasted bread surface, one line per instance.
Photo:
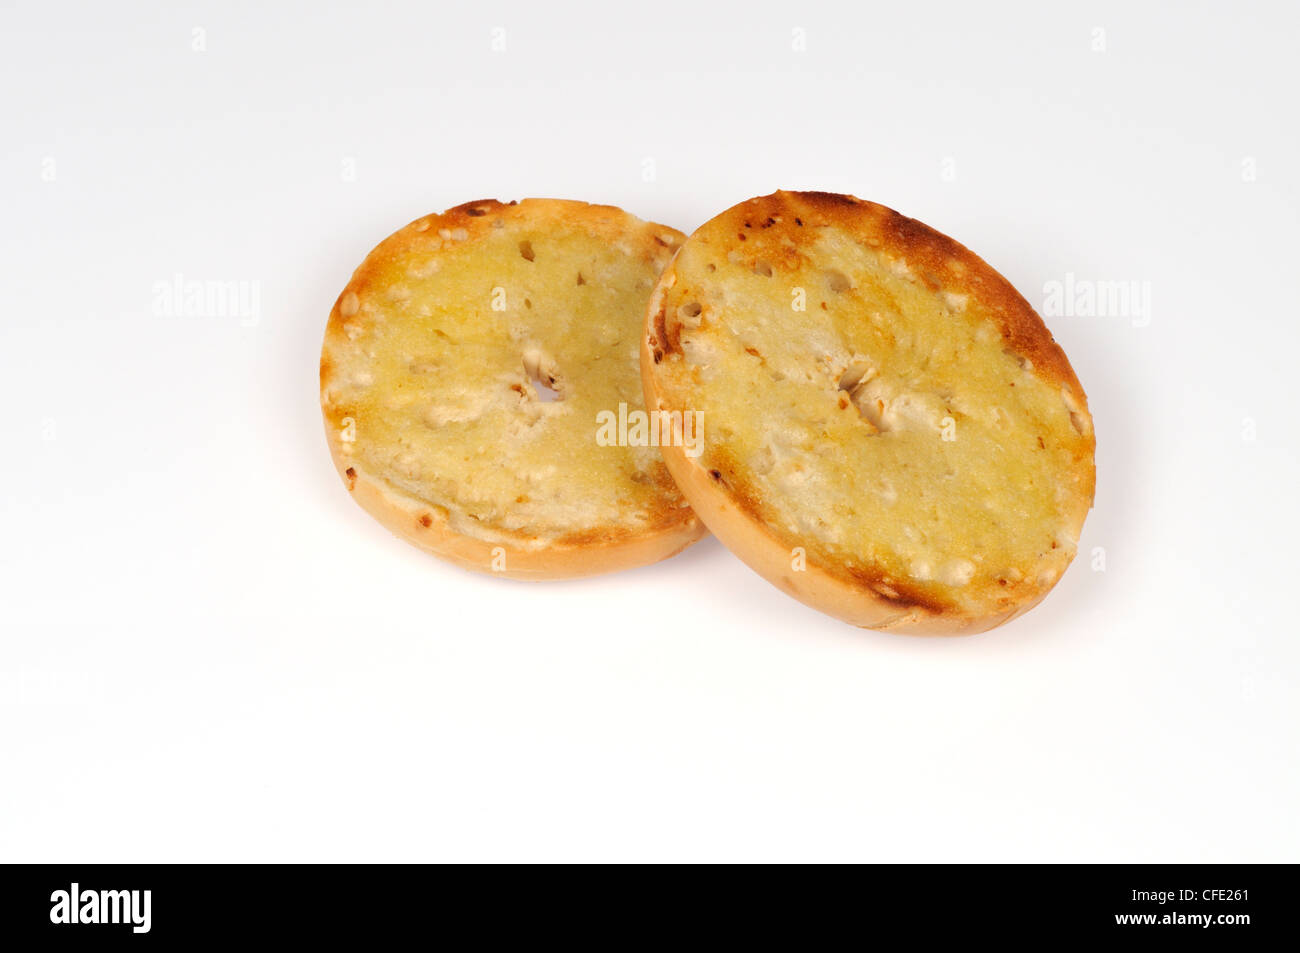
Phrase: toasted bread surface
(462, 373)
(890, 432)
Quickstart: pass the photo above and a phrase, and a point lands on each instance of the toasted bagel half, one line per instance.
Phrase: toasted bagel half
(890, 433)
(463, 371)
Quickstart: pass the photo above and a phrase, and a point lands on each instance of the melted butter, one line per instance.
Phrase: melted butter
(864, 469)
(438, 379)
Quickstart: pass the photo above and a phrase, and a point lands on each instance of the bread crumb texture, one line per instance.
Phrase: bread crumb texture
(875, 393)
(466, 361)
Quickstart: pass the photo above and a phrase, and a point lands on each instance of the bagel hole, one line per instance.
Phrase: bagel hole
(853, 375)
(542, 379)
(545, 394)
(856, 383)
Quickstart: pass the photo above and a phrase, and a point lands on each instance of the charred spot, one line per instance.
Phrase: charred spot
(727, 474)
(351, 474)
(1041, 445)
(741, 236)
(798, 221)
(913, 236)
(829, 199)
(893, 596)
(426, 520)
(667, 342)
(770, 222)
(477, 209)
(658, 356)
(897, 594)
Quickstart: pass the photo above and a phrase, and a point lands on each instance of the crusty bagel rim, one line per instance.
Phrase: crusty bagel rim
(760, 548)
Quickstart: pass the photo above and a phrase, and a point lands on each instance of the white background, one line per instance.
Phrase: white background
(209, 652)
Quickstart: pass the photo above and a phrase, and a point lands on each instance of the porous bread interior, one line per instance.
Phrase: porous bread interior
(828, 423)
(442, 386)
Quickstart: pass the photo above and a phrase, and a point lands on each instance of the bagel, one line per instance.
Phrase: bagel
(440, 361)
(890, 433)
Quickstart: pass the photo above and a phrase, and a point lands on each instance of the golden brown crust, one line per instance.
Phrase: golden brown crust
(584, 549)
(774, 235)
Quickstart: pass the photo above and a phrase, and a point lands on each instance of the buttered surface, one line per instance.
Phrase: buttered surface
(444, 360)
(870, 416)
